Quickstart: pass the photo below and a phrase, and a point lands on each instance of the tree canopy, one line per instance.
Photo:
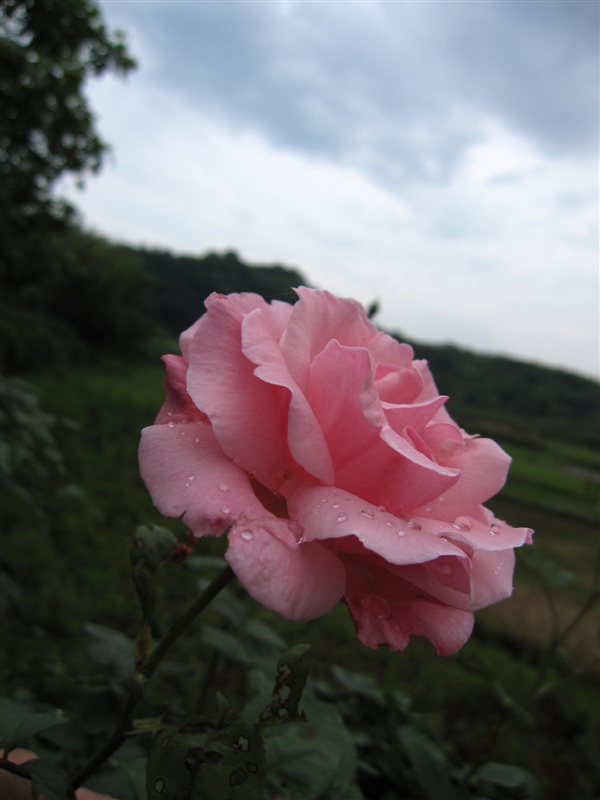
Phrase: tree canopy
(48, 48)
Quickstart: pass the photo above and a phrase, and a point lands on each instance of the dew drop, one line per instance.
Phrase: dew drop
(222, 487)
(428, 509)
(342, 517)
(462, 524)
(182, 433)
(191, 478)
(170, 424)
(169, 413)
(389, 524)
(323, 500)
(368, 513)
(401, 533)
(336, 505)
(494, 530)
(247, 535)
(197, 440)
(334, 492)
(412, 523)
(380, 508)
(225, 509)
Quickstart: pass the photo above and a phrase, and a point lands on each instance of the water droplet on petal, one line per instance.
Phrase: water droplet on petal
(368, 513)
(323, 500)
(336, 505)
(247, 535)
(225, 509)
(197, 440)
(389, 524)
(170, 424)
(222, 487)
(381, 508)
(342, 517)
(494, 530)
(428, 509)
(191, 478)
(412, 523)
(169, 413)
(401, 533)
(462, 524)
(182, 433)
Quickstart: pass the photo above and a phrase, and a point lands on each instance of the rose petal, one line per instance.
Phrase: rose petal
(483, 466)
(369, 458)
(305, 438)
(415, 415)
(187, 474)
(222, 384)
(492, 577)
(472, 535)
(326, 513)
(317, 318)
(299, 581)
(178, 405)
(389, 611)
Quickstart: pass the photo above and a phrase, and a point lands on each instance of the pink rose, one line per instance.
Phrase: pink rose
(326, 451)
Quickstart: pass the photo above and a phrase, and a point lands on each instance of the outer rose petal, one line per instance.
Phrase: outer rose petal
(178, 405)
(221, 382)
(299, 581)
(492, 577)
(484, 466)
(188, 475)
(390, 611)
(325, 513)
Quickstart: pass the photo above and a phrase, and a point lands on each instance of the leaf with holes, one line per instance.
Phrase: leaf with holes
(198, 758)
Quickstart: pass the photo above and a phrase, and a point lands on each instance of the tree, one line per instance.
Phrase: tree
(48, 48)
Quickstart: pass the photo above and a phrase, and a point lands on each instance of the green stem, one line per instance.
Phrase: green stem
(145, 672)
(180, 625)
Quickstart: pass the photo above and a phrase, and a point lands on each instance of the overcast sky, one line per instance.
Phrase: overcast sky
(440, 156)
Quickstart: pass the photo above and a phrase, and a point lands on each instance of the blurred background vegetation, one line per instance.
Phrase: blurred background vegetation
(83, 323)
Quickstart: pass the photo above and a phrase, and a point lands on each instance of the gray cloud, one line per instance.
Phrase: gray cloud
(397, 89)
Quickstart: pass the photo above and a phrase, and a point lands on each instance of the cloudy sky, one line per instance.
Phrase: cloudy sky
(440, 156)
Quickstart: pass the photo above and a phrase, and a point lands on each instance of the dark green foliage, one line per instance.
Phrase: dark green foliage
(48, 48)
(78, 301)
(182, 283)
